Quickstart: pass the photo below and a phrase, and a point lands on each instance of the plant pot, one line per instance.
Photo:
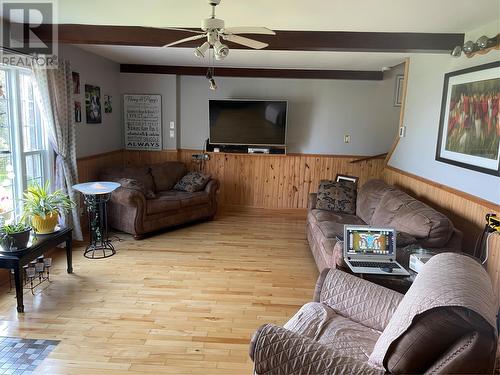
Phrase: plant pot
(15, 241)
(45, 225)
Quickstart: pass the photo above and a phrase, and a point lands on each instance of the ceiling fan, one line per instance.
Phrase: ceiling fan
(214, 30)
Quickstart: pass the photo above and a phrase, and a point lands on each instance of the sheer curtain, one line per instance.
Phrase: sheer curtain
(55, 95)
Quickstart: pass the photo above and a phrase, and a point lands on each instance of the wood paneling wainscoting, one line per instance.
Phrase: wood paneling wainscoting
(266, 181)
(466, 211)
(90, 166)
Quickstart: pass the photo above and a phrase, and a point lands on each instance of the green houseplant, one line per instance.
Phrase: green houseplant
(14, 236)
(43, 207)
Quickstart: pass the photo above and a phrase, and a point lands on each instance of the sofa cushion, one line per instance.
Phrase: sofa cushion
(369, 197)
(162, 204)
(406, 214)
(323, 215)
(186, 199)
(167, 174)
(141, 174)
(129, 183)
(192, 182)
(321, 323)
(339, 196)
(404, 239)
(331, 229)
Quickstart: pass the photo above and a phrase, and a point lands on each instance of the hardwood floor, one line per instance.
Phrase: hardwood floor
(182, 302)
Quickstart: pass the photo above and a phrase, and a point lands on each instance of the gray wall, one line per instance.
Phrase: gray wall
(94, 139)
(416, 152)
(163, 84)
(321, 112)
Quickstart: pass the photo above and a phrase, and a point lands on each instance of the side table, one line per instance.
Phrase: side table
(38, 245)
(400, 284)
(96, 195)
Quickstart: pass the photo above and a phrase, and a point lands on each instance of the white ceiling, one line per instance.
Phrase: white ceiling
(322, 15)
(333, 15)
(249, 58)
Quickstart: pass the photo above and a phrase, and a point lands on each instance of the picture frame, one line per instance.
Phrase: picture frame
(78, 111)
(76, 82)
(142, 121)
(108, 104)
(398, 90)
(93, 110)
(344, 177)
(469, 124)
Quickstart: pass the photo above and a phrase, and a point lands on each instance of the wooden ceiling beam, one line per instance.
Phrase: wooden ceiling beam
(366, 75)
(284, 40)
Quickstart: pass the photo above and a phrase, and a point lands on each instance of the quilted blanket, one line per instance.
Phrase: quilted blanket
(448, 279)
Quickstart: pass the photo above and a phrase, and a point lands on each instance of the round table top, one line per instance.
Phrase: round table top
(96, 187)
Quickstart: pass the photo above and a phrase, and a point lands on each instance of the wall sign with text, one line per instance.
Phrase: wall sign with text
(142, 119)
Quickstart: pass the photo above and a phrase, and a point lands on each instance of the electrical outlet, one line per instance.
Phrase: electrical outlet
(402, 131)
(172, 134)
(172, 125)
(347, 138)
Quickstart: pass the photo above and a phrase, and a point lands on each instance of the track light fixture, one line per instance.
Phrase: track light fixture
(457, 51)
(483, 42)
(201, 50)
(212, 85)
(471, 47)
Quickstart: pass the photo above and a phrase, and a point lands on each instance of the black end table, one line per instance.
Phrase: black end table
(400, 284)
(39, 244)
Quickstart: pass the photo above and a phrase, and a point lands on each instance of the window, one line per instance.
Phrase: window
(24, 157)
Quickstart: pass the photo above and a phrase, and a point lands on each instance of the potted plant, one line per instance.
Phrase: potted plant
(14, 236)
(43, 207)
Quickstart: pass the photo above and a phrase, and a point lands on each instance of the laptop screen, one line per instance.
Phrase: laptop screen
(364, 240)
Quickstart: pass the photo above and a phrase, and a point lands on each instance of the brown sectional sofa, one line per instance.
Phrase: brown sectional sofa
(357, 327)
(133, 212)
(383, 205)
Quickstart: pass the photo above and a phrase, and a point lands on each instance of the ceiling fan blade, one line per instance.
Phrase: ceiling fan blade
(245, 41)
(180, 29)
(195, 37)
(249, 30)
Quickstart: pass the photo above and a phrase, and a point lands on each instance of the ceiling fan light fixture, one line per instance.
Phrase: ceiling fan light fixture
(201, 50)
(221, 50)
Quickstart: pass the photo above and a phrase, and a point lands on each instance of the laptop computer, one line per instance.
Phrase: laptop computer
(371, 250)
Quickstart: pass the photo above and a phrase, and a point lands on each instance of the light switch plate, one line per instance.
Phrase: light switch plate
(402, 131)
(172, 125)
(172, 134)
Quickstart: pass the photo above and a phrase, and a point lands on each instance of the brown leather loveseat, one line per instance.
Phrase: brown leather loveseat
(139, 213)
(444, 324)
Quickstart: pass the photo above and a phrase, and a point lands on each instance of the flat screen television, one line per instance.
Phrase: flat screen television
(248, 122)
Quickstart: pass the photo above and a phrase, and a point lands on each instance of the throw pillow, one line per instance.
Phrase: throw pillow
(130, 183)
(337, 196)
(193, 181)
